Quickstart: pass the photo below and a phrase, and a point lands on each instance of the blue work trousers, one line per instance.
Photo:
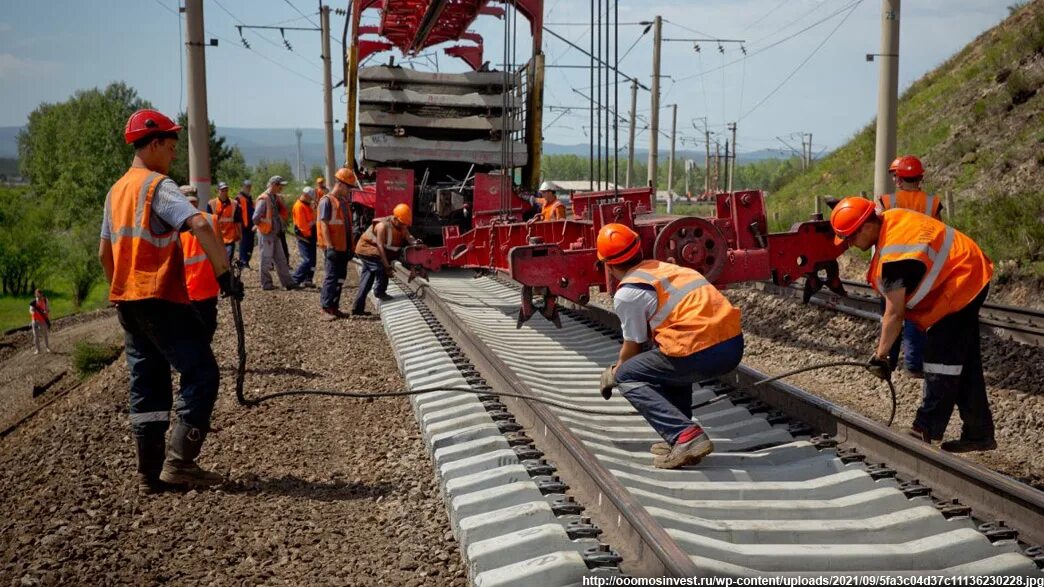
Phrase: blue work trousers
(159, 335)
(660, 387)
(246, 245)
(912, 342)
(306, 268)
(335, 267)
(373, 277)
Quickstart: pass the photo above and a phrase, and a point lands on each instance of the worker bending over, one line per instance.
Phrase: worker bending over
(227, 212)
(336, 240)
(200, 281)
(378, 247)
(141, 254)
(696, 335)
(938, 278)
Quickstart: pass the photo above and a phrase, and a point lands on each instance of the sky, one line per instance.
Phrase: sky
(805, 69)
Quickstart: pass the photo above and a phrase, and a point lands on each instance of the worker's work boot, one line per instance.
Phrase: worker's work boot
(685, 453)
(660, 449)
(151, 452)
(182, 450)
(963, 445)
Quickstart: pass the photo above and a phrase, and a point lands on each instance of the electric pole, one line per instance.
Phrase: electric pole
(887, 93)
(324, 21)
(706, 164)
(808, 156)
(630, 138)
(732, 168)
(300, 163)
(198, 123)
(670, 162)
(717, 166)
(654, 114)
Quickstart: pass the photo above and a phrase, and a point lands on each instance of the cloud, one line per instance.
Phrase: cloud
(12, 67)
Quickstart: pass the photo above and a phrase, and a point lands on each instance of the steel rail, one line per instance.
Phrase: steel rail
(647, 548)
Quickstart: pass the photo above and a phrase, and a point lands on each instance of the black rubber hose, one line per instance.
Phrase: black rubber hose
(891, 386)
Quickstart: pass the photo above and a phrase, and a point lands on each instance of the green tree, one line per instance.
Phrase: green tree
(266, 169)
(26, 246)
(219, 153)
(79, 261)
(314, 172)
(233, 170)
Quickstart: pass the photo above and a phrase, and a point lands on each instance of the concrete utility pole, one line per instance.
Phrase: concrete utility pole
(717, 166)
(654, 114)
(732, 168)
(198, 123)
(706, 164)
(808, 157)
(670, 163)
(300, 163)
(324, 21)
(630, 138)
(689, 164)
(887, 93)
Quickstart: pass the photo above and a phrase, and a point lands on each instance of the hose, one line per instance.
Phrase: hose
(891, 386)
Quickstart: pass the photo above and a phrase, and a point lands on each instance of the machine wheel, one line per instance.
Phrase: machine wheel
(695, 243)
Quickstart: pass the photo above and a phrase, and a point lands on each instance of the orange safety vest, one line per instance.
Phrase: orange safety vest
(393, 240)
(691, 314)
(339, 226)
(199, 273)
(40, 311)
(264, 226)
(956, 269)
(146, 265)
(554, 211)
(228, 226)
(916, 201)
(304, 219)
(244, 208)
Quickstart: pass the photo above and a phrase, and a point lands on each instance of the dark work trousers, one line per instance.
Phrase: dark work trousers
(335, 267)
(230, 251)
(912, 344)
(159, 335)
(306, 268)
(953, 376)
(246, 245)
(373, 277)
(660, 387)
(207, 311)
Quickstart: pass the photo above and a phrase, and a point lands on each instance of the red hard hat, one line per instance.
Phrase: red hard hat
(849, 214)
(894, 165)
(617, 243)
(908, 166)
(146, 122)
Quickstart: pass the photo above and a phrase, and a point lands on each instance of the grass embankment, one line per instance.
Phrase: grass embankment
(977, 122)
(14, 310)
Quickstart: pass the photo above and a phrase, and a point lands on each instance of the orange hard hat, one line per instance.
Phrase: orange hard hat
(908, 167)
(849, 214)
(147, 122)
(345, 175)
(617, 243)
(320, 180)
(894, 165)
(403, 213)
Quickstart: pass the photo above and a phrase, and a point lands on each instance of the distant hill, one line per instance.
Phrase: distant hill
(681, 155)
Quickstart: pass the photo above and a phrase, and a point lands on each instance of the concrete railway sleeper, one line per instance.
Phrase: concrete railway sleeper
(775, 498)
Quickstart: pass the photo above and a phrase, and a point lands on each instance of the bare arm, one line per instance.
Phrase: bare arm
(628, 350)
(105, 256)
(891, 321)
(204, 233)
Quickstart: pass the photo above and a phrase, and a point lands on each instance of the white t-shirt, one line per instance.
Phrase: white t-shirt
(635, 304)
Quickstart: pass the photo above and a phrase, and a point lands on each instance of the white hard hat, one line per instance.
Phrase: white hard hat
(548, 186)
(310, 191)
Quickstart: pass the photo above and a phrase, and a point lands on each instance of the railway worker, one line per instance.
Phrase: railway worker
(695, 335)
(140, 252)
(40, 315)
(320, 188)
(336, 240)
(304, 229)
(200, 282)
(377, 249)
(245, 203)
(938, 278)
(227, 212)
(549, 208)
(269, 218)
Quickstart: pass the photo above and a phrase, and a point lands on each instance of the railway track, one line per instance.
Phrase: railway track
(797, 486)
(1024, 325)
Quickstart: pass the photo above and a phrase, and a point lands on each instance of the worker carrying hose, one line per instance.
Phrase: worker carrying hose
(938, 278)
(695, 333)
(140, 252)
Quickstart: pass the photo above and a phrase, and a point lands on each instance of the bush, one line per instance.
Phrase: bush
(89, 357)
(1006, 226)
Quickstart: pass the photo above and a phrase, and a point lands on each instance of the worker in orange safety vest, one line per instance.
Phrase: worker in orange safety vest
(228, 218)
(377, 248)
(938, 278)
(336, 240)
(140, 253)
(200, 281)
(549, 207)
(695, 334)
(304, 230)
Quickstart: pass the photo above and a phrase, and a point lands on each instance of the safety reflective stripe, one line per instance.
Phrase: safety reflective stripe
(196, 259)
(145, 417)
(335, 222)
(936, 269)
(388, 237)
(940, 369)
(929, 205)
(674, 294)
(903, 249)
(144, 234)
(139, 211)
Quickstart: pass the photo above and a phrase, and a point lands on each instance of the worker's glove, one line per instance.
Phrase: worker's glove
(608, 381)
(879, 368)
(230, 286)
